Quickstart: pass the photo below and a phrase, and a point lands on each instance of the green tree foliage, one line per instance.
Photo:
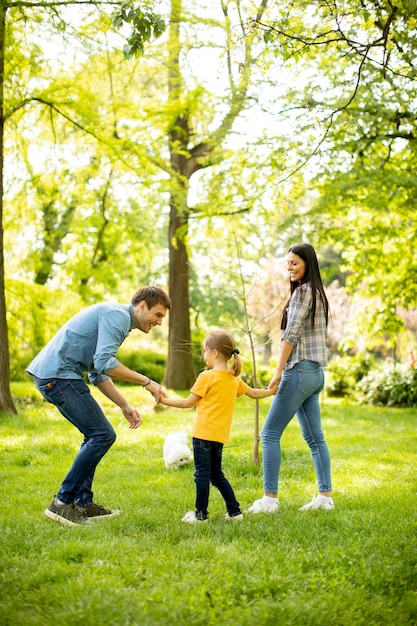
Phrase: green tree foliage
(19, 69)
(145, 25)
(106, 154)
(196, 124)
(116, 163)
(356, 97)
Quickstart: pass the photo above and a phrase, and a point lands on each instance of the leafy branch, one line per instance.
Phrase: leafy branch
(144, 25)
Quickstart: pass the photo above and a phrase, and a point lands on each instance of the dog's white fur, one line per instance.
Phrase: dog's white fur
(176, 452)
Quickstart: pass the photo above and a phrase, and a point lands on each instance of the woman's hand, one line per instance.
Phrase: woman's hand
(276, 380)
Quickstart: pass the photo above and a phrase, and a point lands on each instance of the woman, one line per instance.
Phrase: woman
(300, 376)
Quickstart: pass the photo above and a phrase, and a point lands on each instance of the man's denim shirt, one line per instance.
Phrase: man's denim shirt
(88, 342)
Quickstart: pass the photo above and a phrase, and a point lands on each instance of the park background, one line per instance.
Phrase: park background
(188, 145)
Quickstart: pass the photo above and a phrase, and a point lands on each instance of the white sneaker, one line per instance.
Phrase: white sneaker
(259, 506)
(320, 502)
(191, 518)
(233, 518)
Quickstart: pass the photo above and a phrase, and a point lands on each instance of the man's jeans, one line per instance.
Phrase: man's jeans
(208, 468)
(73, 399)
(298, 393)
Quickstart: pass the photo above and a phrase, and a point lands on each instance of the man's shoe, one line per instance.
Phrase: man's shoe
(234, 518)
(191, 518)
(320, 502)
(69, 514)
(94, 511)
(259, 506)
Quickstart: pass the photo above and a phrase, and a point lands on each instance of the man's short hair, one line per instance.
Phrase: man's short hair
(152, 296)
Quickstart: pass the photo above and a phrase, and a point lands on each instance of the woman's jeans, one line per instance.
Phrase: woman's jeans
(208, 469)
(298, 393)
(73, 399)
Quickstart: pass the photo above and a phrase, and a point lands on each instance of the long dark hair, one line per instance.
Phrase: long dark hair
(312, 276)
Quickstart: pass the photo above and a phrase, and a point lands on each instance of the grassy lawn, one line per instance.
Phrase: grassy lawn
(354, 565)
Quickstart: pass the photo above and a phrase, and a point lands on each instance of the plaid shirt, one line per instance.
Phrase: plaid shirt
(308, 344)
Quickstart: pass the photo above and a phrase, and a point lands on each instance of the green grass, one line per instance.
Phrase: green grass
(354, 565)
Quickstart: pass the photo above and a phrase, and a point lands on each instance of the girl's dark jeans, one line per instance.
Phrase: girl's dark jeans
(208, 469)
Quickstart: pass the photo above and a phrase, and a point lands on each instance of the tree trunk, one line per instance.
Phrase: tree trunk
(6, 401)
(184, 161)
(179, 372)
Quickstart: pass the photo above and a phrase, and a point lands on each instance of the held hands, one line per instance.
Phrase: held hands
(273, 387)
(156, 390)
(132, 416)
(275, 381)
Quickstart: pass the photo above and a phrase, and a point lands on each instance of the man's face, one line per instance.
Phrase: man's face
(146, 319)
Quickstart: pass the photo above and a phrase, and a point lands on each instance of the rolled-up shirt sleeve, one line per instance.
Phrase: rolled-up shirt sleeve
(298, 311)
(308, 341)
(113, 328)
(96, 378)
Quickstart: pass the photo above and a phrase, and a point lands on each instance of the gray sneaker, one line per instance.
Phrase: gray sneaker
(69, 514)
(94, 510)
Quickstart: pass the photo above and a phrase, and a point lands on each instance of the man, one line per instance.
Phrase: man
(89, 342)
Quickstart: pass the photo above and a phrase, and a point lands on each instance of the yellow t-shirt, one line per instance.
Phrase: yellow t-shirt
(218, 390)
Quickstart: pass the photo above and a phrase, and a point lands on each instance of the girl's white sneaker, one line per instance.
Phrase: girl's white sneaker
(234, 518)
(191, 518)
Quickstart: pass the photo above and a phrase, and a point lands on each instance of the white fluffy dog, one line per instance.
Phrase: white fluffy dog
(176, 451)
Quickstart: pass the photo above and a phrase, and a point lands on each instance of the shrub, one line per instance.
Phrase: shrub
(147, 362)
(390, 386)
(18, 365)
(338, 378)
(263, 374)
(345, 372)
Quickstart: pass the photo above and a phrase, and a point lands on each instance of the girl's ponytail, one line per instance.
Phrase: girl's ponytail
(236, 367)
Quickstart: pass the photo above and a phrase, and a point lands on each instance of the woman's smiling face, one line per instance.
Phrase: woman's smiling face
(296, 267)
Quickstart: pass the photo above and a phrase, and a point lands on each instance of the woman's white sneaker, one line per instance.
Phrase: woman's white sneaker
(262, 506)
(319, 502)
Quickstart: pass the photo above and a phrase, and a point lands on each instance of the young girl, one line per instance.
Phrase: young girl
(214, 393)
(300, 377)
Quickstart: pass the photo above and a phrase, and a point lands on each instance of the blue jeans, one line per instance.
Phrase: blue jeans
(73, 399)
(298, 393)
(208, 469)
